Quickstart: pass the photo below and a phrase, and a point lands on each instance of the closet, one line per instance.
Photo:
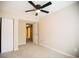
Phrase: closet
(6, 35)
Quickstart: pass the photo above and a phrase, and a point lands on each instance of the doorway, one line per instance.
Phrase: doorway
(29, 32)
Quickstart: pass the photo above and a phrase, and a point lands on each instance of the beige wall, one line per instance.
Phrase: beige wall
(58, 30)
(35, 33)
(22, 32)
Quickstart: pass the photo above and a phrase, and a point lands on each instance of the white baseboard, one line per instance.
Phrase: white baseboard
(16, 49)
(22, 44)
(61, 52)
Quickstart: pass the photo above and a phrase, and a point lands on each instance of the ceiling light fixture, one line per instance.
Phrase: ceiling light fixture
(37, 11)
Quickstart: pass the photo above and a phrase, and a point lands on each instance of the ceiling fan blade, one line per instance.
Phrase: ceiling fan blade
(36, 14)
(32, 4)
(29, 10)
(44, 11)
(45, 5)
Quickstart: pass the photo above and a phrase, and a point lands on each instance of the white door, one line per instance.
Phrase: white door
(7, 35)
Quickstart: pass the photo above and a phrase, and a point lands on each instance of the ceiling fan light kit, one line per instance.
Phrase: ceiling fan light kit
(37, 11)
(38, 8)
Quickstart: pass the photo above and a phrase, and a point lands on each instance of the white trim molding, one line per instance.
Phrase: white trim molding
(61, 52)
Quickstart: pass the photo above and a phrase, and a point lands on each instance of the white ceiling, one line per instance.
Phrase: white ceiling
(19, 7)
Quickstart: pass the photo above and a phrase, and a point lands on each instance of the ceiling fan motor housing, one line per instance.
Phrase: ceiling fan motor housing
(38, 6)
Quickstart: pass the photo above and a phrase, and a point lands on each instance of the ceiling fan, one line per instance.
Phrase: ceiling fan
(38, 7)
